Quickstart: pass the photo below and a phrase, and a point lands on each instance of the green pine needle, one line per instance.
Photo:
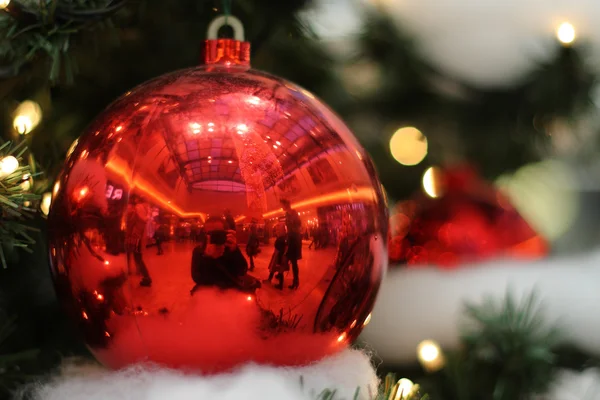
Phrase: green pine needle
(17, 205)
(507, 351)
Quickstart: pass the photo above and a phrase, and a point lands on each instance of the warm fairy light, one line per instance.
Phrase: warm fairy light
(432, 182)
(46, 202)
(4, 4)
(249, 298)
(430, 355)
(566, 33)
(242, 128)
(84, 315)
(26, 185)
(8, 165)
(405, 389)
(367, 320)
(408, 146)
(27, 116)
(341, 337)
(106, 262)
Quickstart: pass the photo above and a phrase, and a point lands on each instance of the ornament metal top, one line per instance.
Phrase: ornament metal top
(215, 216)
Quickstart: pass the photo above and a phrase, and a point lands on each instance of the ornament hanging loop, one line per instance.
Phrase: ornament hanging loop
(225, 20)
(226, 52)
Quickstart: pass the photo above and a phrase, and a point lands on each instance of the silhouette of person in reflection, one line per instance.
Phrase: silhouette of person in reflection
(345, 247)
(294, 239)
(253, 245)
(219, 262)
(137, 218)
(279, 263)
(158, 237)
(229, 221)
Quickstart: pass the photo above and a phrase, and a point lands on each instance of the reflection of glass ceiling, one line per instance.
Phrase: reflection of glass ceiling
(254, 132)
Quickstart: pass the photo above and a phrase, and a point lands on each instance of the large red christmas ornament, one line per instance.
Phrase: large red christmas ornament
(462, 219)
(181, 225)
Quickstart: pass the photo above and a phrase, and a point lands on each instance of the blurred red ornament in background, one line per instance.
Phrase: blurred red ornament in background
(461, 219)
(176, 163)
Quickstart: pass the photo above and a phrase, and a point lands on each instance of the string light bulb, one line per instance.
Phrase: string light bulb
(4, 4)
(26, 185)
(566, 33)
(46, 202)
(27, 116)
(404, 389)
(8, 165)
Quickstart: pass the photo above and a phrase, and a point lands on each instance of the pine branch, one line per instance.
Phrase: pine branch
(18, 204)
(46, 29)
(507, 353)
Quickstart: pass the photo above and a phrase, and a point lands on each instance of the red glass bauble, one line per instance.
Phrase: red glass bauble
(462, 219)
(181, 225)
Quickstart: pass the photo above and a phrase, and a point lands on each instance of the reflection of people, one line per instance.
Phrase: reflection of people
(279, 263)
(229, 221)
(252, 247)
(345, 246)
(294, 239)
(158, 237)
(220, 262)
(137, 219)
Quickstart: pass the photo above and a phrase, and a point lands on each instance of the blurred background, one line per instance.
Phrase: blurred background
(504, 92)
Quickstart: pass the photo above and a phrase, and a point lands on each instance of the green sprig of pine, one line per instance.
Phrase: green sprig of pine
(31, 30)
(17, 205)
(508, 352)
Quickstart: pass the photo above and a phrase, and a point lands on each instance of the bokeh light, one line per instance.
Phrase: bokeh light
(566, 33)
(408, 146)
(432, 182)
(430, 355)
(4, 4)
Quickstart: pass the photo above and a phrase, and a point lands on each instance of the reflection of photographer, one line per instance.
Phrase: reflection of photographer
(219, 262)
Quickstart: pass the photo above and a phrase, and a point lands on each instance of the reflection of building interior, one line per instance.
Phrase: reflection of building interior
(189, 176)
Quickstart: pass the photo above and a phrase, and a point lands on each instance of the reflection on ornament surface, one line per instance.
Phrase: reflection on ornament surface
(217, 216)
(465, 220)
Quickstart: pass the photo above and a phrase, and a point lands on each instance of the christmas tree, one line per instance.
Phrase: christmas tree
(63, 61)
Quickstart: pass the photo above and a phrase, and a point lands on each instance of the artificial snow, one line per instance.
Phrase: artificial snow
(343, 373)
(574, 385)
(416, 304)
